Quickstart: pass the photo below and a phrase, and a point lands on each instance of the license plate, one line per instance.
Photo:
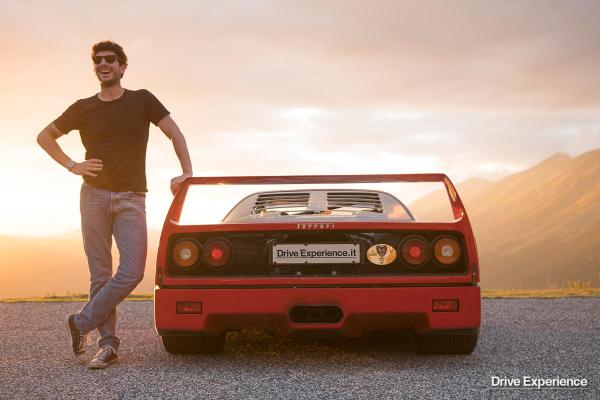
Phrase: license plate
(335, 253)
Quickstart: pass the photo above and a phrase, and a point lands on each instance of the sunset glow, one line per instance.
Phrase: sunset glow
(274, 88)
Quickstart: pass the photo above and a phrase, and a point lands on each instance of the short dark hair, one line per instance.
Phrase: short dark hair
(108, 45)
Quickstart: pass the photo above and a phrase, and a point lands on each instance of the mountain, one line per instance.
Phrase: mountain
(36, 266)
(536, 228)
(434, 206)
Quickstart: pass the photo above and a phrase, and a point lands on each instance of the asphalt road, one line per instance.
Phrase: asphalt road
(538, 338)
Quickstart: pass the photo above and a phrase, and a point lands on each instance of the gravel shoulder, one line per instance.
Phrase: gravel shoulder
(542, 338)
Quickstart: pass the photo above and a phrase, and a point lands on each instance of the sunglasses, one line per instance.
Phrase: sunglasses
(109, 59)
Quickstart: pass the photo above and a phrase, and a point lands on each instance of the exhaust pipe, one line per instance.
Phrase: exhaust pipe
(316, 314)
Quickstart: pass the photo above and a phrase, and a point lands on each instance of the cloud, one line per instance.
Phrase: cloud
(272, 87)
(583, 141)
(429, 55)
(385, 54)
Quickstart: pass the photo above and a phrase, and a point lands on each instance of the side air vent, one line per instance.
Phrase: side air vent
(358, 201)
(286, 202)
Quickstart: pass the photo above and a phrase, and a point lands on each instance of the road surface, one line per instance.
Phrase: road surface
(533, 337)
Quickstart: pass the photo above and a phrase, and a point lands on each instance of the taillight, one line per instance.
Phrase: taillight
(415, 251)
(188, 307)
(446, 251)
(186, 253)
(217, 253)
(446, 305)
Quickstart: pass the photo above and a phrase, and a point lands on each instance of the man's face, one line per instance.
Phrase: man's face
(108, 73)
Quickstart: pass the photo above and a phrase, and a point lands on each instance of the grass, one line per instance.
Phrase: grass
(541, 293)
(486, 294)
(53, 298)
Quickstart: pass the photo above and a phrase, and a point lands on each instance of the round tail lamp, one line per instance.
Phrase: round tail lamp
(217, 253)
(446, 251)
(415, 251)
(186, 253)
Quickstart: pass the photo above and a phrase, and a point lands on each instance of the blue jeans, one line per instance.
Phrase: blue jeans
(105, 214)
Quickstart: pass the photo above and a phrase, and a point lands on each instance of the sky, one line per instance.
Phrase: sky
(468, 88)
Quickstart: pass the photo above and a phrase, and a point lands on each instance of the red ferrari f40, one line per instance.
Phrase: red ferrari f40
(321, 260)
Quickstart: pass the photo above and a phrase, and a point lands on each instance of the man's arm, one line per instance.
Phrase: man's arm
(47, 140)
(172, 131)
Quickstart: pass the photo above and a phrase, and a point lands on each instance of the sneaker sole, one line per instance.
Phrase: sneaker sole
(101, 365)
(81, 358)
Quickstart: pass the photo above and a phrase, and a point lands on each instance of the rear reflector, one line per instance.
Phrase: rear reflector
(445, 305)
(189, 307)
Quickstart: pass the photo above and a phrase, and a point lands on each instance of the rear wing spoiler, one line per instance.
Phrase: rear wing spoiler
(174, 214)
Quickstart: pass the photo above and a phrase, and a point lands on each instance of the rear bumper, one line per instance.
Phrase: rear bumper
(364, 309)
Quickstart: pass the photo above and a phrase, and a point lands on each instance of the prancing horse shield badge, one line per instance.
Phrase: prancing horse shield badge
(381, 254)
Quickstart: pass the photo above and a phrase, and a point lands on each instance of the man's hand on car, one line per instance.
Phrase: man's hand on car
(178, 180)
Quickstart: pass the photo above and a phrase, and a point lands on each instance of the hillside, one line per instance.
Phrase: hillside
(536, 228)
(34, 266)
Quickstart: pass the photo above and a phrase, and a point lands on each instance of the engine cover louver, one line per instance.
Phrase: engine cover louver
(281, 202)
(356, 200)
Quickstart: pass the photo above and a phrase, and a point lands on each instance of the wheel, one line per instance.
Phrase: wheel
(447, 344)
(193, 344)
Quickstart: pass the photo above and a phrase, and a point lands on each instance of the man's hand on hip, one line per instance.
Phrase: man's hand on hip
(87, 168)
(177, 181)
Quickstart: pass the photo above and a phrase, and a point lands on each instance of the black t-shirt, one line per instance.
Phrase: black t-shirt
(115, 132)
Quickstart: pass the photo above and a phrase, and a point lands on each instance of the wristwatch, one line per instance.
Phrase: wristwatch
(70, 165)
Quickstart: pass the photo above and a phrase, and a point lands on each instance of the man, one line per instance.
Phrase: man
(113, 125)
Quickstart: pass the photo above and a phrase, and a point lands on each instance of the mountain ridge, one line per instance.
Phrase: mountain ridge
(536, 228)
(547, 215)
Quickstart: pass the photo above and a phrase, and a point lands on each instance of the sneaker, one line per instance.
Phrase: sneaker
(103, 358)
(76, 340)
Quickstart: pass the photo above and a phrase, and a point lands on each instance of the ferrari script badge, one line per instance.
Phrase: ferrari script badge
(315, 226)
(381, 254)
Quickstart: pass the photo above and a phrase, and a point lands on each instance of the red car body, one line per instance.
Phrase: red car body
(193, 312)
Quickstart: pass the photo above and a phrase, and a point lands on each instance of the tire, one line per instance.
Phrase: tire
(447, 344)
(193, 344)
